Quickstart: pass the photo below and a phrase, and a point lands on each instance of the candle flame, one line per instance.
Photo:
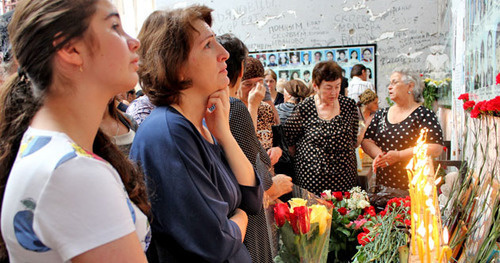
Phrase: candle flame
(426, 227)
(445, 235)
(432, 209)
(428, 190)
(421, 230)
(410, 165)
(438, 181)
(429, 203)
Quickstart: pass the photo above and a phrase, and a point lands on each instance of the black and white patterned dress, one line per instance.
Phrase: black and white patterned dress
(325, 158)
(400, 136)
(257, 238)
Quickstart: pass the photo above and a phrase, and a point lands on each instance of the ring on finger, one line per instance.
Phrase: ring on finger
(386, 163)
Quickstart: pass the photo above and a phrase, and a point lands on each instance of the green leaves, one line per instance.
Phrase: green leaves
(388, 235)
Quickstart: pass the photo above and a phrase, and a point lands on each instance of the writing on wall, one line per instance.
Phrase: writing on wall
(403, 30)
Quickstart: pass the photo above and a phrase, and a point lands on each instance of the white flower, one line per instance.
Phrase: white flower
(351, 204)
(363, 203)
(328, 194)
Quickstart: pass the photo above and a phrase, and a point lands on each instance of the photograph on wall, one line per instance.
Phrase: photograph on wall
(306, 57)
(341, 56)
(354, 55)
(299, 63)
(482, 27)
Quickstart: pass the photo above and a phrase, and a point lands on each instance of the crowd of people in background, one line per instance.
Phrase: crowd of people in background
(184, 168)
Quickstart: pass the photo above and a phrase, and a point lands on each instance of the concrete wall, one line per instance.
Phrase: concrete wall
(404, 30)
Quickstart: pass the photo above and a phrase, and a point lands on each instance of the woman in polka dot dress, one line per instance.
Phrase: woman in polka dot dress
(394, 131)
(323, 130)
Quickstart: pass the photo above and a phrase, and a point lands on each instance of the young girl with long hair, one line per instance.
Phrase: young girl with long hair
(68, 193)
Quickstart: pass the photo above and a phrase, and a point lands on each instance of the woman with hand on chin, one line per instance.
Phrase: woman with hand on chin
(393, 131)
(323, 130)
(201, 184)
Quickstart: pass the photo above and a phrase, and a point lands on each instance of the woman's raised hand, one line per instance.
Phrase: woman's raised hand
(217, 114)
(256, 94)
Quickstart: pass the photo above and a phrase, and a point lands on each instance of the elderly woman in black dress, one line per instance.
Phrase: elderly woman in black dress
(393, 131)
(323, 131)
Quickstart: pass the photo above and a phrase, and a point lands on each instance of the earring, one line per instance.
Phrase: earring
(81, 68)
(409, 92)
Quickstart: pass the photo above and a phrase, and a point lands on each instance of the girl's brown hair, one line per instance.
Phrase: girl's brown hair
(166, 38)
(297, 89)
(34, 28)
(272, 73)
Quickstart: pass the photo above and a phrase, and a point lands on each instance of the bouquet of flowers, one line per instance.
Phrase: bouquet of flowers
(485, 107)
(435, 89)
(385, 233)
(351, 211)
(303, 229)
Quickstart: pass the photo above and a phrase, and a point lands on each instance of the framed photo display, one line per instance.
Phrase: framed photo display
(299, 63)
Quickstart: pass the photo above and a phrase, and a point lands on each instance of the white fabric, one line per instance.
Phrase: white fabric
(358, 86)
(124, 139)
(76, 202)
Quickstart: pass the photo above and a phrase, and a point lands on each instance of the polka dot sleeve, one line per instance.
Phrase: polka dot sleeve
(293, 127)
(428, 119)
(354, 118)
(373, 126)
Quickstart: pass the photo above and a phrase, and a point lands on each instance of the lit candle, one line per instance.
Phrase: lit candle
(435, 234)
(420, 249)
(414, 219)
(426, 239)
(446, 250)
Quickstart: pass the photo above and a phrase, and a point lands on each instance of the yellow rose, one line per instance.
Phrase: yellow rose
(294, 202)
(320, 215)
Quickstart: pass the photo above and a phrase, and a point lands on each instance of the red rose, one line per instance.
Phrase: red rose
(383, 213)
(399, 217)
(498, 79)
(483, 106)
(338, 196)
(468, 105)
(408, 222)
(342, 211)
(300, 220)
(363, 239)
(281, 213)
(369, 210)
(477, 109)
(475, 113)
(366, 230)
(464, 96)
(347, 195)
(493, 104)
(394, 202)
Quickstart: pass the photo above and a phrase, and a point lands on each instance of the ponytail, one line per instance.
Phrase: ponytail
(130, 174)
(18, 105)
(33, 29)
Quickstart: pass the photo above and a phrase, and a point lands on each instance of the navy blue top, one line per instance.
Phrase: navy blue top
(193, 192)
